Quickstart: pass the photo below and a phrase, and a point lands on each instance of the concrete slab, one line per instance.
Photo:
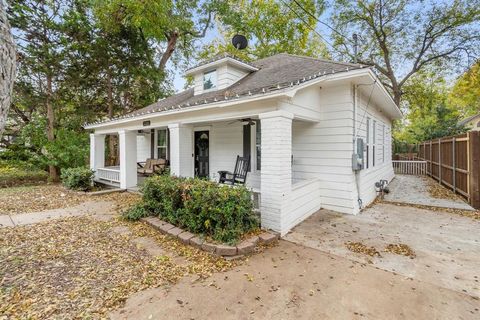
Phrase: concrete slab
(150, 246)
(6, 221)
(414, 190)
(290, 281)
(446, 245)
(102, 209)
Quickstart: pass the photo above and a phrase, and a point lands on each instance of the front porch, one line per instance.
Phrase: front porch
(201, 149)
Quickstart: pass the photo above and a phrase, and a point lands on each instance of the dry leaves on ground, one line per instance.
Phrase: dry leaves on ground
(53, 196)
(437, 191)
(473, 214)
(37, 198)
(359, 247)
(79, 268)
(401, 249)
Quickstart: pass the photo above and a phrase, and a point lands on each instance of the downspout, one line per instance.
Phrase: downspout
(354, 144)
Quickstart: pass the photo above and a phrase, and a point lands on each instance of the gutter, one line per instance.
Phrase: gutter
(278, 91)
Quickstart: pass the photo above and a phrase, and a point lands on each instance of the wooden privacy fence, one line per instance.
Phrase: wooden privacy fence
(455, 163)
(410, 167)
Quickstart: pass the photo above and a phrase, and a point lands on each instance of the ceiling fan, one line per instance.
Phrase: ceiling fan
(245, 122)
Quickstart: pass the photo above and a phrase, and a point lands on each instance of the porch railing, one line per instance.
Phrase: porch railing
(111, 175)
(413, 167)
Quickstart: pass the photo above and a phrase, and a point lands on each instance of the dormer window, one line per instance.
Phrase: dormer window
(210, 80)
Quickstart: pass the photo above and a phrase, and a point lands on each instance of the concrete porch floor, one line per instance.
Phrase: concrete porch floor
(412, 189)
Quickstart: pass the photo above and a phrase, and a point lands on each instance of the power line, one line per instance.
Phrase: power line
(324, 23)
(308, 25)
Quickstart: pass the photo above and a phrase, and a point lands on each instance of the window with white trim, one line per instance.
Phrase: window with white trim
(258, 145)
(374, 138)
(162, 144)
(210, 80)
(367, 140)
(383, 143)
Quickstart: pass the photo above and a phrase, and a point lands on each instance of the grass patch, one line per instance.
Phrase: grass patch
(15, 173)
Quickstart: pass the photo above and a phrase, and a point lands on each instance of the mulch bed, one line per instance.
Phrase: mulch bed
(79, 268)
(49, 196)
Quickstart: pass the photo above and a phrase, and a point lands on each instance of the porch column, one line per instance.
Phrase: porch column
(181, 150)
(128, 158)
(276, 170)
(97, 151)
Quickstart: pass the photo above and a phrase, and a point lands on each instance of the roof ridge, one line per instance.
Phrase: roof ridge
(219, 57)
(322, 59)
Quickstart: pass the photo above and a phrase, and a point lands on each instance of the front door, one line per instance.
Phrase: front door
(201, 153)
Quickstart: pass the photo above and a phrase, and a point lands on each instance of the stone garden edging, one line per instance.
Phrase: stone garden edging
(245, 247)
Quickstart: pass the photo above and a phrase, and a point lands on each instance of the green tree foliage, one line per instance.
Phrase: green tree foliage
(465, 95)
(401, 38)
(72, 71)
(428, 114)
(172, 26)
(271, 27)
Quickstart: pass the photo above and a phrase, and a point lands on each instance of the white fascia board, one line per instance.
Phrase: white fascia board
(391, 106)
(220, 104)
(227, 60)
(287, 92)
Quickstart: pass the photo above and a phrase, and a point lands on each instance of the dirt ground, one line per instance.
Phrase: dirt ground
(292, 281)
(312, 274)
(446, 245)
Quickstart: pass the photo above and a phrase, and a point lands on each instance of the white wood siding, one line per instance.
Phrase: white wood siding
(383, 169)
(226, 142)
(143, 147)
(227, 75)
(323, 150)
(303, 200)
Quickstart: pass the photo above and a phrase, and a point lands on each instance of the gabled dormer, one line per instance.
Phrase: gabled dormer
(218, 74)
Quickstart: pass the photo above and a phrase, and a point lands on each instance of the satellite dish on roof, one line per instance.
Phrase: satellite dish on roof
(239, 41)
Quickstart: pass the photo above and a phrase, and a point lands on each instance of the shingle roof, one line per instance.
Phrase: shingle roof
(467, 120)
(275, 72)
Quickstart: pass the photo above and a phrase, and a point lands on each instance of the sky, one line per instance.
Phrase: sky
(212, 33)
(325, 32)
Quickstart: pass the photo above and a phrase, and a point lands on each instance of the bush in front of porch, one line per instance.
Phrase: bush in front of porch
(199, 206)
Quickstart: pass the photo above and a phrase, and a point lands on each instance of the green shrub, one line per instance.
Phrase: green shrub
(15, 173)
(201, 206)
(135, 212)
(80, 178)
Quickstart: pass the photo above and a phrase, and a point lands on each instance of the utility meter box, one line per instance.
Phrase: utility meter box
(357, 157)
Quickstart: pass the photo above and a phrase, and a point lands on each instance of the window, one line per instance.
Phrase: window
(258, 145)
(383, 143)
(374, 140)
(162, 144)
(367, 138)
(210, 80)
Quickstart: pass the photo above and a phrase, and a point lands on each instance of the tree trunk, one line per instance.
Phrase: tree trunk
(51, 126)
(7, 66)
(171, 45)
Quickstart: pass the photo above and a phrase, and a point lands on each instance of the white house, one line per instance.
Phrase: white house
(298, 118)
